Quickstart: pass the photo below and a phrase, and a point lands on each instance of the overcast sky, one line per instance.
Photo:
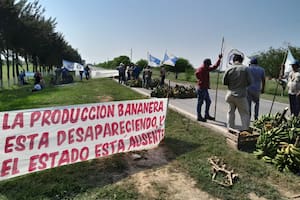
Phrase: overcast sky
(192, 29)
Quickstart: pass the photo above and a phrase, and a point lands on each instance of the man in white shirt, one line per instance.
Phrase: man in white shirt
(294, 88)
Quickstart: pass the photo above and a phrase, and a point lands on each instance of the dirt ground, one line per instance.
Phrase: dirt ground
(154, 176)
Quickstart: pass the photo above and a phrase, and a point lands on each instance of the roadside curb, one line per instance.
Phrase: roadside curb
(214, 125)
(221, 129)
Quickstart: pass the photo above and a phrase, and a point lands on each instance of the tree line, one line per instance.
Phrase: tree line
(182, 65)
(271, 60)
(26, 32)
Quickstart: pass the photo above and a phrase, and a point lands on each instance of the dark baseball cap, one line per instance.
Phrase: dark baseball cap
(295, 62)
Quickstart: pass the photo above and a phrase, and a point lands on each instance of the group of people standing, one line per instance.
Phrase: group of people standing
(245, 84)
(147, 76)
(132, 73)
(126, 73)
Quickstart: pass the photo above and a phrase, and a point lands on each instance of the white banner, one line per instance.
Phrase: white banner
(104, 73)
(39, 139)
(73, 66)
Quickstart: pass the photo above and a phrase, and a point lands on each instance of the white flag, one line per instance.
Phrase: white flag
(289, 59)
(228, 53)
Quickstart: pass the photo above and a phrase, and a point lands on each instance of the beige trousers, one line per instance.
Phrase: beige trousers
(240, 103)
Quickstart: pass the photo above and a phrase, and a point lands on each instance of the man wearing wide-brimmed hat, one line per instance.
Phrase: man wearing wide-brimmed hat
(237, 78)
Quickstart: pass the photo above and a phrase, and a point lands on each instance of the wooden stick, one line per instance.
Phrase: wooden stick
(218, 166)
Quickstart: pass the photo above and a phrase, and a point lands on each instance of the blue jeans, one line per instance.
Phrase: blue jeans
(254, 97)
(203, 95)
(294, 104)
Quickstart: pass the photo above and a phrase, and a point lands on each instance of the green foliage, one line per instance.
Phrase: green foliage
(134, 83)
(25, 31)
(181, 66)
(142, 63)
(272, 59)
(113, 64)
(189, 73)
(179, 91)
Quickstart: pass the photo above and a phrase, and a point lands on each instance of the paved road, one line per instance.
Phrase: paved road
(188, 108)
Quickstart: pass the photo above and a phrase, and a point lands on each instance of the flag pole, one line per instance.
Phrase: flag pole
(277, 82)
(216, 97)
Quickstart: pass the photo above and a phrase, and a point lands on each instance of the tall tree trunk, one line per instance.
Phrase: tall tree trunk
(34, 60)
(13, 67)
(18, 64)
(27, 67)
(26, 61)
(17, 68)
(7, 65)
(1, 73)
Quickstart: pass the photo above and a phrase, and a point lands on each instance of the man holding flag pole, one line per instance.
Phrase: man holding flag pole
(202, 75)
(284, 71)
(217, 87)
(294, 88)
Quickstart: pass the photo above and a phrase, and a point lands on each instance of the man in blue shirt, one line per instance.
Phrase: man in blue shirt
(257, 87)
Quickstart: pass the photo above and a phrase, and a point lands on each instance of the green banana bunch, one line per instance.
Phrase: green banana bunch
(260, 122)
(288, 158)
(279, 141)
(258, 153)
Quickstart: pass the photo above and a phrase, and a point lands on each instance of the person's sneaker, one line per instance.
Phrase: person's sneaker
(201, 119)
(209, 117)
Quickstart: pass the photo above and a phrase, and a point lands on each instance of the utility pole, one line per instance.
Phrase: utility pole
(131, 55)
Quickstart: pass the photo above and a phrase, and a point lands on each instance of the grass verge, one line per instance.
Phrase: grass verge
(190, 147)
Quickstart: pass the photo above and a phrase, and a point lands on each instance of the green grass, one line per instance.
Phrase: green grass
(194, 146)
(189, 143)
(90, 91)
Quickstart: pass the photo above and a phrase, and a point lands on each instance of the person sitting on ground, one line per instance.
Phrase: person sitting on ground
(37, 87)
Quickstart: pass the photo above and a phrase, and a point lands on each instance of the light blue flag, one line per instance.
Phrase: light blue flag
(153, 61)
(169, 60)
